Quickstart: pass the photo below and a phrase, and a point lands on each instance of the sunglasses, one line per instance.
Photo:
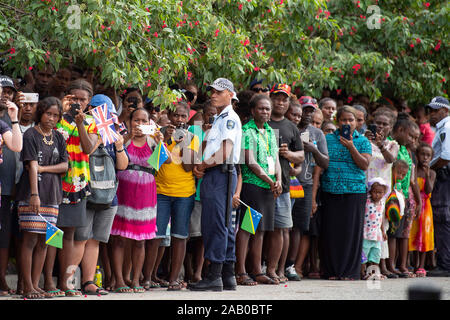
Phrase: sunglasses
(305, 101)
(156, 109)
(260, 89)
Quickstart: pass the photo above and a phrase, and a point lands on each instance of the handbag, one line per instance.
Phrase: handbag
(296, 189)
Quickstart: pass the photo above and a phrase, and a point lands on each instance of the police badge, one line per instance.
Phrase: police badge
(230, 124)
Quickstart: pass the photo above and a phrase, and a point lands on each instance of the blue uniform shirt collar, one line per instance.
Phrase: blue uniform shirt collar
(224, 112)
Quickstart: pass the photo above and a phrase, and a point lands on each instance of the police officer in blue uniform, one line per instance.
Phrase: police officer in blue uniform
(438, 110)
(220, 154)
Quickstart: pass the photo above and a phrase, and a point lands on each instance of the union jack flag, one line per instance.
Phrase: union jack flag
(105, 124)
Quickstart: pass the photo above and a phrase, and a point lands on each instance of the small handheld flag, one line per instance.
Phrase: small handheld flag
(105, 124)
(251, 219)
(54, 235)
(158, 157)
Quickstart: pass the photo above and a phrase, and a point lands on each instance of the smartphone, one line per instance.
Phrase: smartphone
(345, 132)
(31, 97)
(147, 129)
(373, 129)
(74, 107)
(280, 141)
(305, 136)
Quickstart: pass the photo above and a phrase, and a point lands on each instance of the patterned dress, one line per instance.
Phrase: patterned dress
(136, 215)
(421, 237)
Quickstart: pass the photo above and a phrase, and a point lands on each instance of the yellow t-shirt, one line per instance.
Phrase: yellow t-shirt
(171, 179)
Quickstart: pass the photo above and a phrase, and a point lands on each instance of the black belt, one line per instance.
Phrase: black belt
(139, 168)
(222, 167)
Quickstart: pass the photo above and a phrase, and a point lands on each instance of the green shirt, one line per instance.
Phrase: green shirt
(263, 145)
(403, 154)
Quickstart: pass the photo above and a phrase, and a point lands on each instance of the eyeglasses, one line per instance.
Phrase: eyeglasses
(260, 89)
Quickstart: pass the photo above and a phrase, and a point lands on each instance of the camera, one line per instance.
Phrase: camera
(74, 107)
(133, 101)
(180, 132)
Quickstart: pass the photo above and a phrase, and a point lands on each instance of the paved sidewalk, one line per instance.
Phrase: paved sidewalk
(307, 289)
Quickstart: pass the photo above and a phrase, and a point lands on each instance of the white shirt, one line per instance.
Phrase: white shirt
(441, 142)
(226, 126)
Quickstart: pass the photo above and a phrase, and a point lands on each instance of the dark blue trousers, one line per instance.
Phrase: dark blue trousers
(440, 202)
(219, 241)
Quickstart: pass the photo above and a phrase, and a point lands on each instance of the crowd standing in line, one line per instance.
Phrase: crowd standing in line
(374, 180)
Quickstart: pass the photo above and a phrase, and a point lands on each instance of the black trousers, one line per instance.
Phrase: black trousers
(341, 234)
(440, 202)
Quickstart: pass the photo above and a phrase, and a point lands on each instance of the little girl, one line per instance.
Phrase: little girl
(422, 234)
(374, 232)
(39, 192)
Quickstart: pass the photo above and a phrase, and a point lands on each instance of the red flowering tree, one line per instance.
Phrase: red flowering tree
(311, 44)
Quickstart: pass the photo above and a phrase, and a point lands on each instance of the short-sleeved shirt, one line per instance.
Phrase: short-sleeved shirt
(226, 126)
(172, 180)
(49, 184)
(291, 136)
(373, 218)
(343, 175)
(8, 166)
(263, 145)
(3, 129)
(315, 135)
(441, 141)
(378, 167)
(76, 181)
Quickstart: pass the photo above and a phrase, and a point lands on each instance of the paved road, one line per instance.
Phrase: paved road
(307, 289)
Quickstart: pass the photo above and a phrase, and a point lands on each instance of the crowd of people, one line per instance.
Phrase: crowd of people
(346, 192)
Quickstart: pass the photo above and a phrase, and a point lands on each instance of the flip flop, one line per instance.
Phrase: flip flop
(33, 296)
(125, 289)
(243, 279)
(407, 274)
(56, 293)
(98, 291)
(138, 289)
(261, 278)
(421, 273)
(72, 293)
(175, 286)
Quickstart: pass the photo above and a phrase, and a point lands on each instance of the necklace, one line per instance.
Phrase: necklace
(47, 142)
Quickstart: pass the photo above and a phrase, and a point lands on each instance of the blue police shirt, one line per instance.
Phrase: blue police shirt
(226, 126)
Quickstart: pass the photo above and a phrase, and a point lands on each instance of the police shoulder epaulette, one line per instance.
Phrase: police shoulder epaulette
(223, 115)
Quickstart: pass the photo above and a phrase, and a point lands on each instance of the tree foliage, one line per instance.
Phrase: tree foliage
(311, 44)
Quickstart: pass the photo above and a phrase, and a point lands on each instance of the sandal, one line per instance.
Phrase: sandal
(138, 289)
(150, 285)
(56, 293)
(283, 279)
(161, 283)
(407, 274)
(98, 291)
(243, 279)
(421, 273)
(175, 286)
(72, 293)
(125, 289)
(261, 278)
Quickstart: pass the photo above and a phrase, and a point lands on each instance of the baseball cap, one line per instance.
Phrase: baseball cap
(100, 99)
(221, 84)
(438, 102)
(6, 81)
(255, 82)
(281, 87)
(307, 101)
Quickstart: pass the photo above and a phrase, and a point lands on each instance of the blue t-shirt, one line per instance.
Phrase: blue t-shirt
(343, 175)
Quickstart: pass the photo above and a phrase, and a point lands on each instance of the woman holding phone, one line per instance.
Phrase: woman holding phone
(80, 134)
(344, 196)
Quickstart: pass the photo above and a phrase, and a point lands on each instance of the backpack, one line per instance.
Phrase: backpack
(104, 182)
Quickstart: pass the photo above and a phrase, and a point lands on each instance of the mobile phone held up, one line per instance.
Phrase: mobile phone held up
(373, 128)
(30, 97)
(345, 131)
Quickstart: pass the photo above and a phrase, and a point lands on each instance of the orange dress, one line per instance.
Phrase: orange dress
(421, 237)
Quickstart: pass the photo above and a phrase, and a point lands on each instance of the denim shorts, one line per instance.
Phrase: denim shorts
(176, 209)
(283, 215)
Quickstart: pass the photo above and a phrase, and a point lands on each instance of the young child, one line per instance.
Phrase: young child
(422, 234)
(374, 232)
